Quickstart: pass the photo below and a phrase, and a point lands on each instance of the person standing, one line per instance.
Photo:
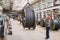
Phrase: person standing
(47, 26)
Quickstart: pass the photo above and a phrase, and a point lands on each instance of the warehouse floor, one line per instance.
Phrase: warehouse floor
(19, 33)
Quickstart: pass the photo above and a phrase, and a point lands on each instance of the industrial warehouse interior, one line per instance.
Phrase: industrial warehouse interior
(29, 19)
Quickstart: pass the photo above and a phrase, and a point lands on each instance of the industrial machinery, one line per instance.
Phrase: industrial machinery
(55, 24)
(1, 28)
(4, 24)
(28, 18)
(13, 15)
(42, 19)
(4, 27)
(38, 18)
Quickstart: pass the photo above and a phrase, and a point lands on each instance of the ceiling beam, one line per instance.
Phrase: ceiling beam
(34, 3)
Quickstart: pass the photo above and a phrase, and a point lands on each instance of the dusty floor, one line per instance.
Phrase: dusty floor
(19, 33)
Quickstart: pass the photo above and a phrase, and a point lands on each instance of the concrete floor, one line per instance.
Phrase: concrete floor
(19, 33)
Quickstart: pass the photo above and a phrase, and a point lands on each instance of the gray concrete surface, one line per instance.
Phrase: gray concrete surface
(19, 33)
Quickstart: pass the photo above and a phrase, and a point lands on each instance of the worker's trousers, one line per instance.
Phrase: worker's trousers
(47, 32)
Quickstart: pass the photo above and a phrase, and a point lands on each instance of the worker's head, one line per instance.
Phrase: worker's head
(48, 17)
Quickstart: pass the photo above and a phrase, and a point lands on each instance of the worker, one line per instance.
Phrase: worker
(47, 26)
